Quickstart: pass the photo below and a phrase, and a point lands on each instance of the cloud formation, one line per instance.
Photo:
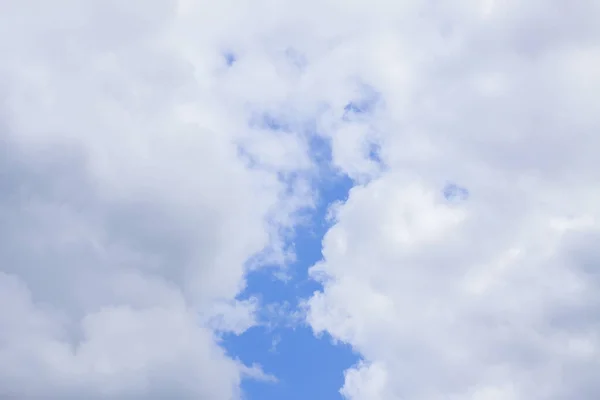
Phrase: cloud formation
(494, 296)
(128, 214)
(150, 149)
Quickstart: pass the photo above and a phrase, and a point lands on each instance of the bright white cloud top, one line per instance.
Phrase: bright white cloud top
(140, 178)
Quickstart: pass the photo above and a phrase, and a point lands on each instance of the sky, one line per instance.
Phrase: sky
(256, 200)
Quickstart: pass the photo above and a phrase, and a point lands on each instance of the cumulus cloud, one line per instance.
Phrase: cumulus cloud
(488, 290)
(134, 193)
(152, 151)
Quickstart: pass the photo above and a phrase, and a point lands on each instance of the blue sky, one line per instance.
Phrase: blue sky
(305, 365)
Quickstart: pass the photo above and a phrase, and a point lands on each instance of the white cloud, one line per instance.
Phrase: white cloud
(494, 296)
(128, 214)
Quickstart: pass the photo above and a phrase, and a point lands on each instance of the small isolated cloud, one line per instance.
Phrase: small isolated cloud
(274, 343)
(255, 372)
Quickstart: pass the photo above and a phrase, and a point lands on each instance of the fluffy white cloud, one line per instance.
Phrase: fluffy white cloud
(133, 191)
(139, 176)
(493, 296)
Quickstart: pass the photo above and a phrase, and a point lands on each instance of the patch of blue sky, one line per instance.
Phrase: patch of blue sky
(306, 366)
(306, 238)
(455, 193)
(230, 58)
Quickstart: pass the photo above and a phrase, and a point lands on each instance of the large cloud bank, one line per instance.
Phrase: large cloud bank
(139, 176)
